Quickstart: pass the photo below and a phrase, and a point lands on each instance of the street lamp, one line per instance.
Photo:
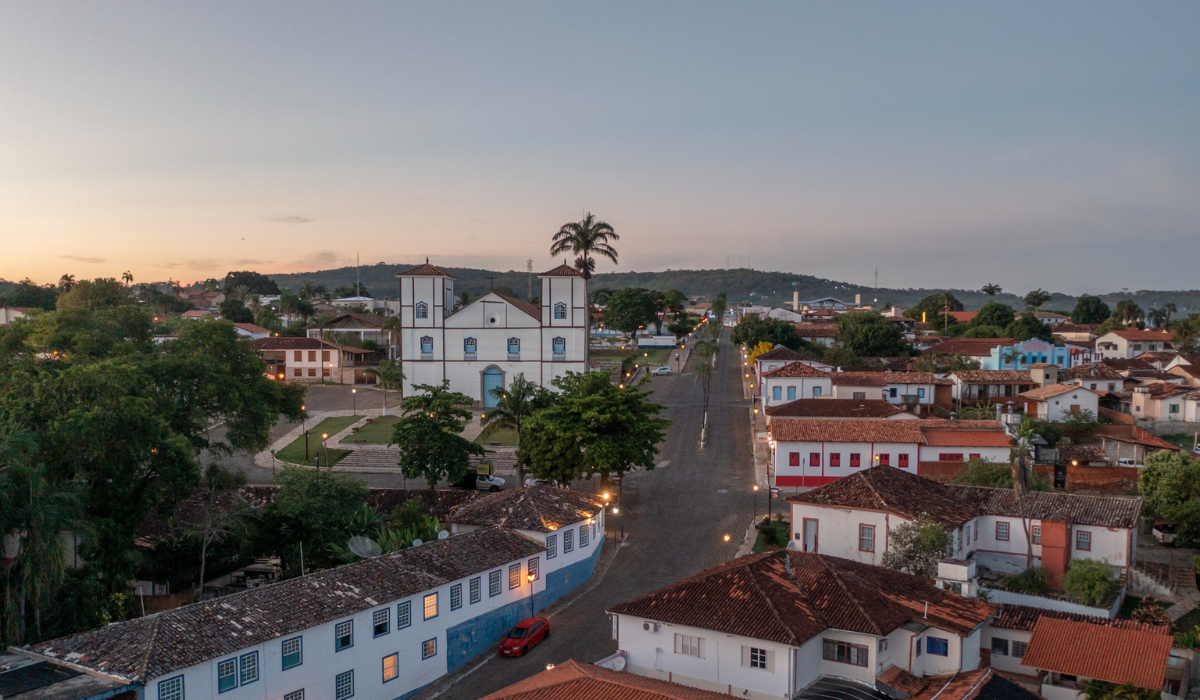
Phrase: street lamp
(727, 538)
(531, 580)
(324, 437)
(756, 501)
(353, 402)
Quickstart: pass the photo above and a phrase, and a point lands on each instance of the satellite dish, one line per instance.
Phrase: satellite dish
(443, 535)
(418, 542)
(365, 547)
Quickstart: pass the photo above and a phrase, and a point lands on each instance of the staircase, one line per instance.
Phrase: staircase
(384, 461)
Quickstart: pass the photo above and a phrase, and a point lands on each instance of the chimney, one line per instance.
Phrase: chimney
(999, 410)
(796, 300)
(858, 301)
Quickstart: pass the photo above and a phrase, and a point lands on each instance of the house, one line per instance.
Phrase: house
(816, 452)
(8, 314)
(962, 316)
(1052, 318)
(197, 314)
(249, 330)
(1165, 402)
(1130, 343)
(1023, 354)
(978, 349)
(569, 524)
(844, 409)
(300, 359)
(1186, 366)
(902, 388)
(485, 344)
(202, 299)
(1129, 444)
(378, 628)
(852, 518)
(1075, 332)
(780, 356)
(823, 334)
(364, 329)
(990, 385)
(795, 380)
(572, 680)
(1096, 376)
(771, 625)
(1058, 403)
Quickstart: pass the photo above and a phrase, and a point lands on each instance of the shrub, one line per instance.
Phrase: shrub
(1151, 612)
(1090, 582)
(1035, 580)
(1189, 639)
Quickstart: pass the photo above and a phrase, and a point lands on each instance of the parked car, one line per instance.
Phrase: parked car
(487, 482)
(525, 636)
(534, 481)
(663, 371)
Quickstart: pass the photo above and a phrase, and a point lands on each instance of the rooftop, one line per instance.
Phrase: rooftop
(1099, 511)
(974, 433)
(1136, 335)
(795, 369)
(994, 376)
(425, 270)
(781, 353)
(572, 680)
(563, 270)
(834, 408)
(882, 378)
(969, 346)
(293, 344)
(1051, 390)
(1094, 370)
(1114, 654)
(1024, 617)
(251, 328)
(535, 508)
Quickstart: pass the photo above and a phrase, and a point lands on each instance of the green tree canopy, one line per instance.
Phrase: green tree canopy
(1090, 309)
(29, 295)
(254, 282)
(1170, 488)
(868, 334)
(312, 508)
(235, 311)
(428, 434)
(916, 547)
(1037, 299)
(754, 329)
(629, 309)
(934, 306)
(994, 314)
(97, 294)
(1027, 327)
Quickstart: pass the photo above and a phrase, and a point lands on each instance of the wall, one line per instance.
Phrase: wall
(837, 530)
(808, 475)
(931, 453)
(1002, 596)
(1009, 663)
(1058, 408)
(845, 391)
(803, 385)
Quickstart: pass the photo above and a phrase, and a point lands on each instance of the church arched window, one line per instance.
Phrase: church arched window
(514, 346)
(422, 310)
(560, 310)
(426, 345)
(560, 346)
(469, 346)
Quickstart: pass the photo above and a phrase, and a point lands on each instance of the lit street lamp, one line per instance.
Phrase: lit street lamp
(531, 580)
(756, 501)
(324, 437)
(354, 402)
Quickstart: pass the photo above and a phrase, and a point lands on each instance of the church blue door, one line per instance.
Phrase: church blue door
(492, 378)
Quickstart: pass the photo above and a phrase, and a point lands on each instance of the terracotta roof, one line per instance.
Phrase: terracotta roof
(899, 679)
(195, 313)
(980, 684)
(1134, 434)
(292, 344)
(882, 378)
(834, 408)
(1024, 617)
(781, 353)
(1099, 511)
(423, 270)
(957, 437)
(1141, 335)
(1167, 391)
(962, 316)
(149, 647)
(995, 376)
(1051, 390)
(903, 431)
(563, 270)
(522, 306)
(1125, 365)
(251, 328)
(537, 508)
(572, 680)
(1094, 370)
(756, 596)
(1188, 359)
(892, 490)
(1069, 327)
(1113, 654)
(969, 346)
(816, 330)
(795, 369)
(342, 320)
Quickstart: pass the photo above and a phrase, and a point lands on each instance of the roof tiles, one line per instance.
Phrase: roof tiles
(834, 408)
(572, 680)
(795, 369)
(534, 508)
(1113, 654)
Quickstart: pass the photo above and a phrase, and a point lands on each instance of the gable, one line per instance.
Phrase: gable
(493, 310)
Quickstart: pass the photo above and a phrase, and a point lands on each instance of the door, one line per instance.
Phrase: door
(810, 535)
(493, 378)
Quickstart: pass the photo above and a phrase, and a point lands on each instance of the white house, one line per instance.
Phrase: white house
(893, 387)
(1057, 403)
(816, 452)
(779, 357)
(771, 625)
(300, 359)
(251, 331)
(377, 629)
(795, 380)
(8, 314)
(487, 343)
(1128, 344)
(853, 517)
(1095, 376)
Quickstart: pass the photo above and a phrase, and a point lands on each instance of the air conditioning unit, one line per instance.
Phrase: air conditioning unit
(650, 626)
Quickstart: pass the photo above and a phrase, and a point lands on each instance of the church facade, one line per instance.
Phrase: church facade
(493, 339)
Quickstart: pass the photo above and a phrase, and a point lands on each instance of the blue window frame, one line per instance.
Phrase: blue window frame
(476, 590)
(343, 635)
(494, 583)
(893, 392)
(429, 648)
(403, 615)
(583, 535)
(568, 541)
(514, 346)
(937, 646)
(560, 346)
(560, 310)
(777, 393)
(227, 675)
(343, 685)
(431, 606)
(551, 546)
(816, 391)
(921, 393)
(533, 568)
(422, 310)
(456, 596)
(381, 622)
(171, 689)
(469, 346)
(791, 393)
(293, 652)
(295, 695)
(249, 668)
(426, 345)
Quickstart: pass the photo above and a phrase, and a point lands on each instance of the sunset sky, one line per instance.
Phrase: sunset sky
(1052, 145)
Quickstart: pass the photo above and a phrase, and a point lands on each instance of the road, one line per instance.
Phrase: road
(675, 517)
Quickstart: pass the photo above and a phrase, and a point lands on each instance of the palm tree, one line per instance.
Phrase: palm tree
(1157, 318)
(706, 369)
(1012, 355)
(1127, 311)
(306, 290)
(991, 290)
(66, 282)
(127, 277)
(464, 298)
(1019, 460)
(1036, 299)
(1168, 308)
(513, 407)
(586, 238)
(390, 375)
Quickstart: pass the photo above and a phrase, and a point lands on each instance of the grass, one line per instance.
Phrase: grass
(654, 357)
(496, 433)
(377, 431)
(1189, 621)
(772, 537)
(1184, 440)
(294, 452)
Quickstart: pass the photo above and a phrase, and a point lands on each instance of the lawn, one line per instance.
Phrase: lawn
(495, 433)
(294, 452)
(1184, 440)
(654, 357)
(377, 431)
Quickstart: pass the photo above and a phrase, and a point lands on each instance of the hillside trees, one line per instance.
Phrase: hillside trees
(867, 334)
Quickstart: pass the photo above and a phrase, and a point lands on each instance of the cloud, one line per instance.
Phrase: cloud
(320, 260)
(251, 261)
(83, 259)
(293, 219)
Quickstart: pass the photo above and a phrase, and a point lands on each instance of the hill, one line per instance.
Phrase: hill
(742, 285)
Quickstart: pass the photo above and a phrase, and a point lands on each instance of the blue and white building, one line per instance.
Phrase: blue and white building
(1021, 354)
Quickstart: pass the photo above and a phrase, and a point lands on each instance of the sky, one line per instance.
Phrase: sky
(1029, 144)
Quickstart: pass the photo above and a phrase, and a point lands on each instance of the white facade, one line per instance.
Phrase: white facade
(818, 463)
(492, 340)
(780, 390)
(1112, 346)
(565, 546)
(1060, 408)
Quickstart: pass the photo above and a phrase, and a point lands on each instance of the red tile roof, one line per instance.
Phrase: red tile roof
(293, 344)
(1134, 434)
(757, 596)
(535, 508)
(423, 270)
(899, 679)
(1098, 511)
(994, 376)
(251, 328)
(901, 431)
(969, 346)
(892, 490)
(1094, 370)
(1141, 335)
(572, 680)
(955, 437)
(980, 684)
(1112, 654)
(1024, 617)
(816, 330)
(834, 408)
(1125, 365)
(522, 305)
(1051, 390)
(882, 378)
(963, 316)
(795, 369)
(563, 270)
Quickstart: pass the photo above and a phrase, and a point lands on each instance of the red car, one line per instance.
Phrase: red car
(524, 636)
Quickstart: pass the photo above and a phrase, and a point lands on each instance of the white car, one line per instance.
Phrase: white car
(534, 481)
(663, 371)
(487, 482)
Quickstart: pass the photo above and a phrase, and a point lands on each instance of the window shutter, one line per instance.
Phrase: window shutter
(678, 643)
(771, 661)
(745, 657)
(701, 641)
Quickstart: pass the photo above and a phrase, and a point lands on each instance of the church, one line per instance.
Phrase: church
(494, 338)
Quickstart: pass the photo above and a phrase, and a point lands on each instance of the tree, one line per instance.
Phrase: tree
(991, 290)
(1091, 582)
(97, 294)
(1170, 488)
(445, 407)
(719, 306)
(1022, 477)
(390, 375)
(868, 334)
(629, 309)
(916, 547)
(586, 239)
(29, 295)
(309, 512)
(234, 311)
(254, 282)
(1090, 309)
(1027, 327)
(220, 514)
(674, 301)
(428, 435)
(681, 326)
(706, 368)
(943, 364)
(1013, 356)
(932, 308)
(1036, 299)
(350, 290)
(839, 356)
(1184, 334)
(1127, 312)
(994, 314)
(513, 408)
(979, 472)
(761, 349)
(753, 329)
(127, 277)
(463, 300)
(1082, 425)
(66, 282)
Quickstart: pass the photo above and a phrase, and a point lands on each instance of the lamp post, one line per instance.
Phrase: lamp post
(756, 501)
(324, 437)
(304, 427)
(354, 402)
(531, 580)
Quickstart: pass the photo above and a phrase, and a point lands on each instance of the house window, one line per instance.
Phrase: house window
(884, 458)
(861, 395)
(429, 648)
(469, 346)
(976, 530)
(855, 460)
(312, 371)
(426, 345)
(568, 541)
(1083, 540)
(343, 635)
(431, 606)
(903, 460)
(918, 646)
(920, 393)
(1002, 531)
(844, 652)
(777, 393)
(343, 685)
(324, 356)
(950, 457)
(551, 546)
(514, 576)
(476, 590)
(1092, 386)
(937, 646)
(299, 356)
(1174, 408)
(814, 459)
(456, 596)
(883, 645)
(816, 392)
(689, 646)
(866, 538)
(312, 355)
(892, 392)
(171, 689)
(297, 372)
(294, 695)
(1018, 649)
(325, 372)
(533, 568)
(403, 615)
(560, 311)
(583, 536)
(559, 346)
(391, 667)
(835, 459)
(757, 658)
(1037, 534)
(494, 583)
(967, 534)
(514, 346)
(227, 675)
(422, 310)
(793, 459)
(382, 622)
(293, 653)
(249, 670)
(999, 646)
(1112, 386)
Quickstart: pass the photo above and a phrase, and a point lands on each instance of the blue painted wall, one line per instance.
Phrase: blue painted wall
(467, 640)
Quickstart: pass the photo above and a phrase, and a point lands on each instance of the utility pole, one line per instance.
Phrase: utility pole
(491, 281)
(529, 287)
(357, 276)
